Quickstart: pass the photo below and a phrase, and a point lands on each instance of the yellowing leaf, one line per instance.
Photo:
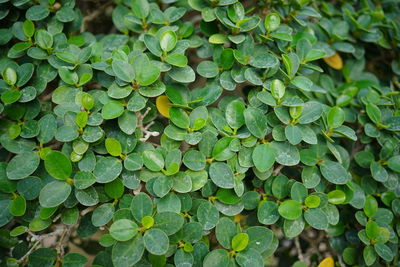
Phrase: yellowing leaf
(327, 262)
(334, 61)
(238, 218)
(163, 105)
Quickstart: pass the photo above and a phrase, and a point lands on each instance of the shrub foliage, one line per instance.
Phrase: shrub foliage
(199, 132)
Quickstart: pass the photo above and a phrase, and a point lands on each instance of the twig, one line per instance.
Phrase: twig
(277, 170)
(57, 217)
(87, 210)
(144, 129)
(60, 246)
(137, 190)
(341, 261)
(39, 238)
(298, 248)
(148, 133)
(21, 260)
(93, 15)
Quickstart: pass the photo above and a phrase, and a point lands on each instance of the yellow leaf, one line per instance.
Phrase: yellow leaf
(335, 61)
(327, 262)
(238, 218)
(163, 105)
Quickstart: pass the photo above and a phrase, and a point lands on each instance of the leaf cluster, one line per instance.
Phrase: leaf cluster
(201, 133)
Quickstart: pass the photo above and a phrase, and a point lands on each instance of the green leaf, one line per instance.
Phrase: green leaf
(372, 229)
(277, 89)
(293, 228)
(194, 160)
(38, 224)
(183, 258)
(208, 69)
(178, 60)
(234, 114)
(263, 61)
(68, 76)
(29, 28)
(272, 22)
(336, 197)
(256, 122)
(168, 41)
(312, 201)
(153, 160)
(286, 154)
(133, 162)
(334, 172)
(293, 134)
(43, 257)
(58, 165)
(227, 196)
(140, 8)
(182, 75)
(192, 232)
(123, 230)
(179, 117)
(249, 257)
(311, 112)
(267, 213)
(264, 157)
(225, 230)
(316, 218)
(384, 252)
(10, 96)
(112, 110)
(74, 260)
(153, 44)
(10, 76)
(207, 215)
(37, 12)
(314, 54)
(369, 255)
(303, 83)
(335, 117)
(146, 73)
(260, 238)
(156, 241)
(378, 172)
(216, 258)
(123, 70)
(141, 206)
(221, 174)
(290, 209)
(370, 206)
(103, 214)
(22, 165)
(147, 222)
(240, 241)
(18, 206)
(218, 38)
(54, 194)
(114, 189)
(113, 147)
(127, 122)
(29, 187)
(87, 197)
(6, 184)
(126, 254)
(70, 216)
(394, 163)
(374, 113)
(169, 222)
(107, 169)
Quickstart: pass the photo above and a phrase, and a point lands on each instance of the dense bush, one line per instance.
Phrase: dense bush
(199, 133)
